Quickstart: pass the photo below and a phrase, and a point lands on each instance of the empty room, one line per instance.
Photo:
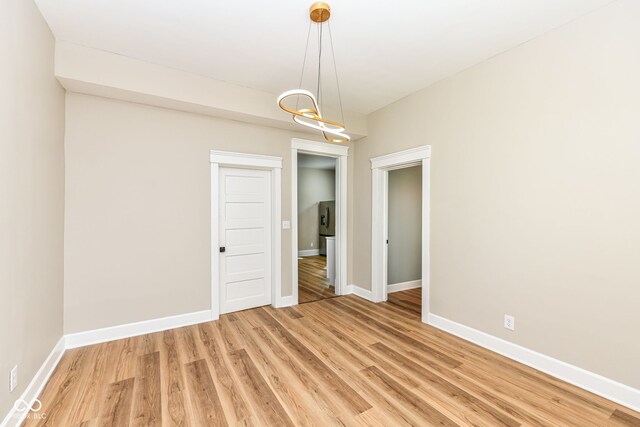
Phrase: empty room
(344, 213)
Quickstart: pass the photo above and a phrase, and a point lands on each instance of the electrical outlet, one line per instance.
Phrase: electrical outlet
(13, 379)
(311, 244)
(509, 322)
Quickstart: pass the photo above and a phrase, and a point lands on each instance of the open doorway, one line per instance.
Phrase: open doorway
(339, 153)
(404, 243)
(381, 168)
(316, 227)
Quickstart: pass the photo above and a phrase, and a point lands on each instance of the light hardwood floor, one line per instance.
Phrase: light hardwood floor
(337, 362)
(312, 279)
(410, 300)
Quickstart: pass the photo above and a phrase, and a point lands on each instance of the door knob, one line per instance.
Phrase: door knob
(222, 249)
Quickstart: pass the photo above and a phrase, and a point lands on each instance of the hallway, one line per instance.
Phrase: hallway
(312, 279)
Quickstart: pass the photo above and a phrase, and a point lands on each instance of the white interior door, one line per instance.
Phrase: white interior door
(245, 239)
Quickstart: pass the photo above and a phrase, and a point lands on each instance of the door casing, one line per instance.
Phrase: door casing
(250, 161)
(380, 167)
(340, 153)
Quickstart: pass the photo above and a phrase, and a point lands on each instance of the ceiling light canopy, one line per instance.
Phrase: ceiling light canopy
(311, 115)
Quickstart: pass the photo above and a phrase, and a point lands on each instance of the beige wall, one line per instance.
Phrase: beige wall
(314, 186)
(137, 243)
(535, 191)
(404, 251)
(31, 196)
(535, 196)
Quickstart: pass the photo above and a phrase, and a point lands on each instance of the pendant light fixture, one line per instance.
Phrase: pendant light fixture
(311, 116)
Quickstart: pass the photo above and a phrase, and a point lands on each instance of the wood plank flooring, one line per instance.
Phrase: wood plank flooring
(410, 300)
(337, 362)
(312, 279)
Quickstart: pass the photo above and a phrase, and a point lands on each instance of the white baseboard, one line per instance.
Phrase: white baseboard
(396, 287)
(597, 384)
(309, 252)
(33, 390)
(362, 293)
(284, 301)
(96, 336)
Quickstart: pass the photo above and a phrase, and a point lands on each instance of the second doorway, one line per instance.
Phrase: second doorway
(316, 227)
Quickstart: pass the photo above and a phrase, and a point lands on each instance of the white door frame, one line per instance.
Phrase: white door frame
(380, 167)
(220, 159)
(340, 153)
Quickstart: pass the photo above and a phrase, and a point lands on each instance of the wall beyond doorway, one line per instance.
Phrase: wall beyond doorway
(314, 186)
(405, 225)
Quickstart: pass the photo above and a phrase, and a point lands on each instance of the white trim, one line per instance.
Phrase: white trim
(253, 161)
(597, 384)
(324, 148)
(276, 252)
(362, 293)
(309, 252)
(403, 286)
(401, 159)
(286, 301)
(37, 384)
(341, 225)
(247, 160)
(380, 167)
(426, 236)
(215, 242)
(340, 153)
(95, 336)
(294, 220)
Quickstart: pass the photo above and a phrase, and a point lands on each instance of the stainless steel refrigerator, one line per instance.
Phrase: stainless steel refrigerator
(327, 224)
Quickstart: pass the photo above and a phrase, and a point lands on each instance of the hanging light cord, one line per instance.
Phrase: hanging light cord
(335, 70)
(319, 62)
(304, 61)
(312, 117)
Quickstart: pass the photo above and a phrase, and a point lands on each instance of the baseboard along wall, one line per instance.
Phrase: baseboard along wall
(35, 387)
(362, 293)
(597, 384)
(309, 252)
(404, 286)
(81, 339)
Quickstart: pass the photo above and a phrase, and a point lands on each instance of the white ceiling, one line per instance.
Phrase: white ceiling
(316, 162)
(384, 50)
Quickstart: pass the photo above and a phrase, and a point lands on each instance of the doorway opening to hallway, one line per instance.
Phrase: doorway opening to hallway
(316, 227)
(404, 243)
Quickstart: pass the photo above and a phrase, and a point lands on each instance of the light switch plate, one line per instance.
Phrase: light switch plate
(286, 225)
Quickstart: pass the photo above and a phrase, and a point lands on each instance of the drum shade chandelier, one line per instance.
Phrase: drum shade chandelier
(311, 116)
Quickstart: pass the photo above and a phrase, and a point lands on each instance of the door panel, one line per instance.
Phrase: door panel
(243, 263)
(240, 289)
(241, 237)
(245, 232)
(243, 185)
